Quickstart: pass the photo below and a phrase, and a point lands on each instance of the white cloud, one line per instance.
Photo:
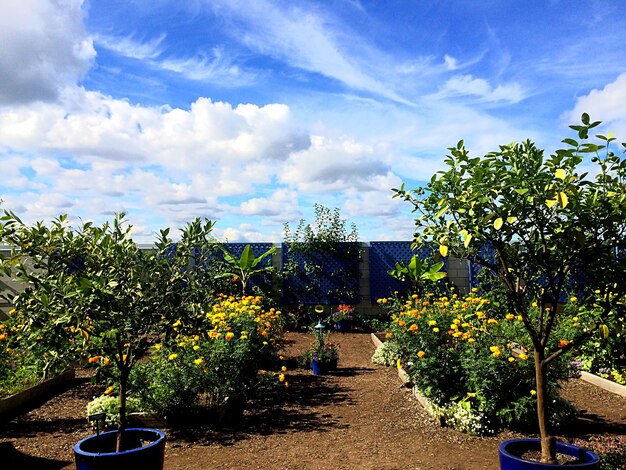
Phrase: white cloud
(282, 205)
(309, 41)
(128, 46)
(467, 85)
(337, 165)
(44, 48)
(607, 105)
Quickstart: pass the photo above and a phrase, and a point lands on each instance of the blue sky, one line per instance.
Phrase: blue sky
(249, 112)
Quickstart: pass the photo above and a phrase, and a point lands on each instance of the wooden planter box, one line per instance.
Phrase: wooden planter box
(19, 400)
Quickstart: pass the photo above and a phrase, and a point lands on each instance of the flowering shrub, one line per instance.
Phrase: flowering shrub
(343, 313)
(386, 354)
(110, 406)
(469, 360)
(323, 351)
(217, 362)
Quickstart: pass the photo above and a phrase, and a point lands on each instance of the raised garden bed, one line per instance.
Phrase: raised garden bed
(605, 384)
(29, 396)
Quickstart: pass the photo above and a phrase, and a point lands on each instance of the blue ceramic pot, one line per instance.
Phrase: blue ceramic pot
(343, 326)
(316, 367)
(509, 460)
(146, 451)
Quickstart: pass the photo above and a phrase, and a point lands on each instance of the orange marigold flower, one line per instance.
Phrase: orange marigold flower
(93, 359)
(108, 391)
(421, 354)
(413, 327)
(563, 343)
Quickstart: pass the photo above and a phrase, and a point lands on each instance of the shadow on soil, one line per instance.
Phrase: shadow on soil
(297, 408)
(589, 423)
(13, 459)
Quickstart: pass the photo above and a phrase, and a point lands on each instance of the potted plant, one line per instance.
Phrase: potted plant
(342, 318)
(95, 286)
(545, 219)
(323, 355)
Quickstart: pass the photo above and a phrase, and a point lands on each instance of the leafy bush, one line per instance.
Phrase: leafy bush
(458, 353)
(387, 354)
(215, 362)
(110, 406)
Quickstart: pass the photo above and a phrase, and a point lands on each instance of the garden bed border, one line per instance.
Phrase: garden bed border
(603, 383)
(425, 402)
(11, 404)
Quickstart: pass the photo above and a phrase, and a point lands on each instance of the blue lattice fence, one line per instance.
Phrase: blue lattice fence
(383, 258)
(321, 277)
(488, 253)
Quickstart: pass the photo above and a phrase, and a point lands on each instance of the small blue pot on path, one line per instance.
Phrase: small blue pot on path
(316, 367)
(510, 450)
(147, 451)
(343, 326)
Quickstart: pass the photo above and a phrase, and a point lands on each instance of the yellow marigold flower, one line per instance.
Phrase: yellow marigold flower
(496, 353)
(533, 392)
(511, 359)
(283, 368)
(413, 327)
(436, 330)
(480, 315)
(471, 340)
(494, 348)
(176, 323)
(399, 364)
(523, 356)
(198, 361)
(158, 346)
(474, 289)
(108, 391)
(281, 358)
(453, 326)
(124, 357)
(573, 299)
(520, 318)
(597, 291)
(106, 361)
(281, 377)
(181, 344)
(432, 322)
(421, 354)
(414, 296)
(492, 321)
(196, 347)
(510, 316)
(172, 356)
(534, 304)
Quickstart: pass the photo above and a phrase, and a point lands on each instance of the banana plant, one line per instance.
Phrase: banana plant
(417, 271)
(244, 267)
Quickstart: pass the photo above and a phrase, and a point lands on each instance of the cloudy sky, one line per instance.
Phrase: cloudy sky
(249, 112)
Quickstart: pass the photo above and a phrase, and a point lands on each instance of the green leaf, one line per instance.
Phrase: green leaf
(585, 119)
(604, 331)
(443, 249)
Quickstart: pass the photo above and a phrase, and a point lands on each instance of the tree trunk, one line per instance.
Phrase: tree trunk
(548, 442)
(124, 373)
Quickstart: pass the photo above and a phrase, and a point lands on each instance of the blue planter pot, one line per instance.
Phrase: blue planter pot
(316, 367)
(147, 451)
(343, 326)
(509, 460)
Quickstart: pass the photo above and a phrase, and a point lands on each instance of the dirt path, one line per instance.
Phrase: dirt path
(358, 418)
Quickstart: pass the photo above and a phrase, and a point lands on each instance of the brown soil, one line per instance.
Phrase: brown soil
(358, 417)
